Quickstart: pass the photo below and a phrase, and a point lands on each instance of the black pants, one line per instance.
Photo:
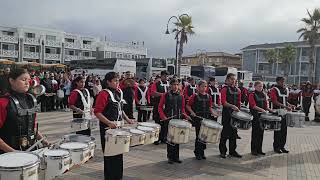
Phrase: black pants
(173, 151)
(228, 133)
(113, 165)
(163, 124)
(142, 116)
(83, 132)
(317, 115)
(47, 103)
(306, 103)
(128, 109)
(199, 146)
(65, 100)
(256, 136)
(280, 137)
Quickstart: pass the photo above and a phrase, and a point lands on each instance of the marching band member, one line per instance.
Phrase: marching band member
(231, 101)
(244, 94)
(108, 109)
(316, 95)
(157, 90)
(128, 86)
(257, 103)
(190, 89)
(171, 105)
(18, 125)
(307, 93)
(251, 88)
(142, 99)
(214, 92)
(294, 96)
(200, 105)
(80, 102)
(279, 98)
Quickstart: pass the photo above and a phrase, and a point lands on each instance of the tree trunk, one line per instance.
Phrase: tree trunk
(286, 71)
(180, 55)
(312, 65)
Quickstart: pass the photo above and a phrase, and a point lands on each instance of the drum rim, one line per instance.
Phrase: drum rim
(237, 117)
(149, 131)
(150, 124)
(215, 122)
(127, 135)
(179, 126)
(66, 138)
(29, 166)
(76, 149)
(57, 157)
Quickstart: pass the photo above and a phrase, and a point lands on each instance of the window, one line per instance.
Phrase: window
(86, 42)
(305, 52)
(107, 54)
(51, 50)
(119, 55)
(30, 48)
(50, 38)
(113, 54)
(72, 53)
(159, 63)
(9, 47)
(30, 35)
(69, 40)
(8, 33)
(86, 54)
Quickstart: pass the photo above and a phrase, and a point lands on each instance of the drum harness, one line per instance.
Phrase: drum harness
(215, 95)
(120, 102)
(143, 100)
(86, 103)
(165, 86)
(283, 97)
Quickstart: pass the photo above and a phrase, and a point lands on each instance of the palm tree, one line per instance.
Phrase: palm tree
(311, 34)
(287, 56)
(272, 57)
(182, 30)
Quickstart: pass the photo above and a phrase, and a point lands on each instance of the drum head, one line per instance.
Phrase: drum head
(149, 124)
(143, 128)
(74, 145)
(244, 109)
(18, 159)
(211, 123)
(270, 117)
(79, 138)
(179, 123)
(242, 115)
(117, 132)
(136, 131)
(56, 153)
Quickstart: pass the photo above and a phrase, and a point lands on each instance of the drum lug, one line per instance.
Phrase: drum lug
(60, 166)
(116, 141)
(81, 157)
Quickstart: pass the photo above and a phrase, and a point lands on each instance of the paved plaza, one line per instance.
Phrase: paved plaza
(150, 162)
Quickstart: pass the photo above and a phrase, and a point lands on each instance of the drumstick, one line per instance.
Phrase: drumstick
(35, 144)
(168, 118)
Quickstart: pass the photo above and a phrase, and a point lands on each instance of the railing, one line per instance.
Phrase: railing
(31, 55)
(87, 46)
(9, 53)
(10, 39)
(87, 57)
(72, 45)
(53, 43)
(71, 57)
(32, 41)
(52, 56)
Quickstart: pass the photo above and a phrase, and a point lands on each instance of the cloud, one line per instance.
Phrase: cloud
(219, 25)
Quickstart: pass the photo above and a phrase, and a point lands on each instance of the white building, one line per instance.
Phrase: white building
(53, 46)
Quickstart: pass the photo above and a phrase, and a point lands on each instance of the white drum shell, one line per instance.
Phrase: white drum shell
(317, 104)
(77, 125)
(94, 124)
(178, 134)
(116, 144)
(150, 134)
(91, 141)
(155, 126)
(295, 119)
(136, 138)
(56, 166)
(29, 172)
(210, 134)
(79, 155)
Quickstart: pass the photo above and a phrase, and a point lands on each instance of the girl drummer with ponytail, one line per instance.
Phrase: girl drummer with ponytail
(80, 102)
(18, 125)
(109, 111)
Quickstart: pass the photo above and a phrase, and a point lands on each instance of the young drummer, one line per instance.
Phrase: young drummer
(172, 106)
(214, 92)
(257, 103)
(190, 89)
(141, 96)
(200, 105)
(108, 109)
(79, 102)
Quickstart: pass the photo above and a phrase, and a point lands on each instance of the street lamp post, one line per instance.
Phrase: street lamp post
(176, 67)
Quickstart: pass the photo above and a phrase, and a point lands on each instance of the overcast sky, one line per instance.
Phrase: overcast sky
(220, 25)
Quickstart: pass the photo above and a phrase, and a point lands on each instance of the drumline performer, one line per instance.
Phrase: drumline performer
(214, 92)
(231, 101)
(258, 104)
(294, 96)
(157, 90)
(172, 105)
(190, 89)
(316, 96)
(142, 99)
(307, 93)
(109, 109)
(18, 109)
(200, 106)
(128, 86)
(279, 98)
(244, 94)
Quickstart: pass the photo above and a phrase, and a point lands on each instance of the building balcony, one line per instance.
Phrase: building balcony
(52, 56)
(72, 45)
(9, 53)
(9, 39)
(87, 57)
(31, 55)
(87, 46)
(53, 43)
(71, 57)
(32, 41)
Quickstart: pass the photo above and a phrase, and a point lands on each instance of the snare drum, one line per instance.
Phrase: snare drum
(19, 165)
(295, 119)
(91, 141)
(244, 109)
(150, 134)
(270, 122)
(146, 108)
(137, 136)
(57, 162)
(79, 124)
(241, 120)
(178, 131)
(210, 131)
(117, 142)
(155, 126)
(282, 112)
(93, 123)
(79, 152)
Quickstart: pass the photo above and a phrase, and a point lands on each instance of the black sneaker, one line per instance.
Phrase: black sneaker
(223, 156)
(277, 151)
(238, 137)
(170, 161)
(156, 143)
(283, 150)
(177, 161)
(203, 156)
(198, 157)
(254, 153)
(235, 154)
(307, 118)
(261, 153)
